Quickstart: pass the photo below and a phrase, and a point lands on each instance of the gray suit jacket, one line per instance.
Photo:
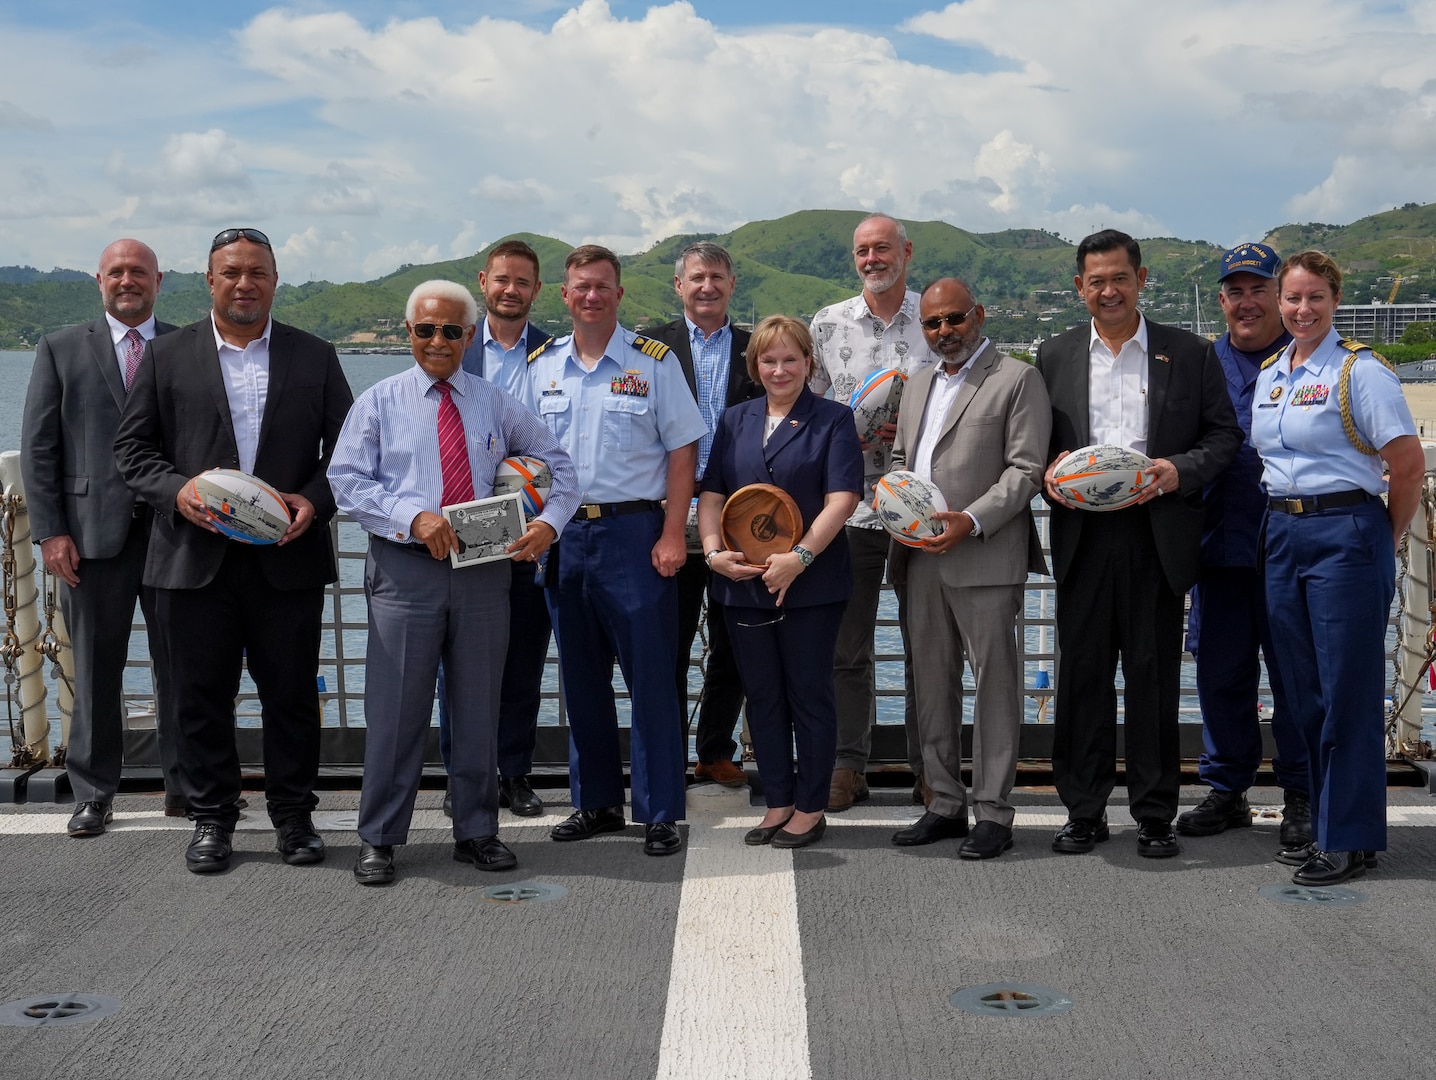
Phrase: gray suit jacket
(72, 409)
(989, 460)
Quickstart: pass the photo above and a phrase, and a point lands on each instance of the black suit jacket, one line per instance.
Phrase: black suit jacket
(740, 386)
(1190, 422)
(177, 424)
(72, 409)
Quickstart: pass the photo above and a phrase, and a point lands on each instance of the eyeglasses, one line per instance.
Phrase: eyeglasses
(952, 318)
(230, 236)
(425, 330)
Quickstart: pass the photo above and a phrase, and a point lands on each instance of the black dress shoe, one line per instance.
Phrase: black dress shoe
(1330, 868)
(582, 824)
(988, 840)
(784, 839)
(486, 853)
(662, 838)
(1218, 812)
(298, 842)
(761, 836)
(517, 794)
(209, 850)
(375, 865)
(931, 828)
(1296, 820)
(1156, 839)
(90, 819)
(1080, 835)
(1300, 853)
(448, 803)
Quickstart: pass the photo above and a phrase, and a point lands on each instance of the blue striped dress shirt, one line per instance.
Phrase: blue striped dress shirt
(385, 470)
(710, 372)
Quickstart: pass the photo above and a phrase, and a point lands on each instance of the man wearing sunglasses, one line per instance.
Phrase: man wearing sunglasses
(875, 330)
(238, 390)
(429, 437)
(977, 426)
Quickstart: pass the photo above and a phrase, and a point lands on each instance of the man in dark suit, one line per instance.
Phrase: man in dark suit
(91, 531)
(1121, 576)
(239, 391)
(977, 426)
(711, 350)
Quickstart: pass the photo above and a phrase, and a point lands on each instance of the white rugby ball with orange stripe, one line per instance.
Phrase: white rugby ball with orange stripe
(241, 506)
(1102, 477)
(875, 402)
(530, 477)
(906, 504)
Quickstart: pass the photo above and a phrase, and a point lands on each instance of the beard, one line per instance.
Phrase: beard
(244, 318)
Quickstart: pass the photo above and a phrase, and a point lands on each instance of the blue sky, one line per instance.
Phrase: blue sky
(361, 135)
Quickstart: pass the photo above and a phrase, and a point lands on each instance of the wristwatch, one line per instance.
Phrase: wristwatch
(805, 556)
(708, 558)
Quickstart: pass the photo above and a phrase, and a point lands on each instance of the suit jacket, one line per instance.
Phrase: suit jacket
(1190, 422)
(72, 409)
(989, 460)
(740, 386)
(177, 424)
(814, 451)
(473, 361)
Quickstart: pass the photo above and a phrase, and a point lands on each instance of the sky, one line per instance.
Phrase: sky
(364, 134)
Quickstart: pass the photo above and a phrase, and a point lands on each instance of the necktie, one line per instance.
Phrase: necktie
(453, 452)
(134, 349)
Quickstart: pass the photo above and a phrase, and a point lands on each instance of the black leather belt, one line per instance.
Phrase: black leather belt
(406, 545)
(592, 511)
(140, 511)
(1306, 504)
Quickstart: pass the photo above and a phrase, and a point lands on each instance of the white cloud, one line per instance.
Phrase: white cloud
(14, 118)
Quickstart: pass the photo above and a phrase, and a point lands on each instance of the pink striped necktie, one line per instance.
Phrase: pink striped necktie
(134, 349)
(453, 452)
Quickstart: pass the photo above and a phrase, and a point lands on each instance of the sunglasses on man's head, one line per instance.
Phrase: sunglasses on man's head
(425, 330)
(952, 318)
(230, 236)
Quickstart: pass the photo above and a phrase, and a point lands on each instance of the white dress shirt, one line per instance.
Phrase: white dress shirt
(246, 384)
(1117, 391)
(119, 331)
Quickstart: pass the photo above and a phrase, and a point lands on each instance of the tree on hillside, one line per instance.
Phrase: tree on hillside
(1419, 333)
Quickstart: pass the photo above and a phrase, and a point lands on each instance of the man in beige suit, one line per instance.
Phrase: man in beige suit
(977, 427)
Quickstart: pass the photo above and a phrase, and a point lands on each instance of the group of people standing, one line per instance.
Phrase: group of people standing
(1278, 465)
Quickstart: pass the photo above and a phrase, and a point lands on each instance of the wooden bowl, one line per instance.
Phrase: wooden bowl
(761, 520)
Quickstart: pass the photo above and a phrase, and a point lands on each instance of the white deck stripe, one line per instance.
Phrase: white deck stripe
(737, 1006)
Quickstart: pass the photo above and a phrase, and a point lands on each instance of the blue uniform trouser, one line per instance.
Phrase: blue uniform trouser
(1229, 608)
(522, 689)
(1330, 577)
(610, 603)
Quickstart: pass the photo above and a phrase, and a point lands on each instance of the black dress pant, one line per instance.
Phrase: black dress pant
(722, 698)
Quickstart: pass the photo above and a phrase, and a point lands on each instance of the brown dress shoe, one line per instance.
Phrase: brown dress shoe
(721, 772)
(849, 786)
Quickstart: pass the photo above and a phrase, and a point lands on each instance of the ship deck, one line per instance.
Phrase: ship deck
(836, 961)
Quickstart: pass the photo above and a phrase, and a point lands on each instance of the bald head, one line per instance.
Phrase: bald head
(129, 281)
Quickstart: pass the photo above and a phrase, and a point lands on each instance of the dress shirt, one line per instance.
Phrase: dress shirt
(119, 331)
(849, 344)
(619, 421)
(246, 384)
(385, 470)
(1297, 427)
(939, 402)
(710, 373)
(504, 367)
(1117, 388)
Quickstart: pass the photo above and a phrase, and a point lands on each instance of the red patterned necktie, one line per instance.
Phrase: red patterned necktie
(453, 453)
(134, 349)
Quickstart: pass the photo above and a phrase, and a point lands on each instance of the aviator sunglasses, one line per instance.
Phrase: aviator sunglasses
(425, 330)
(952, 318)
(230, 236)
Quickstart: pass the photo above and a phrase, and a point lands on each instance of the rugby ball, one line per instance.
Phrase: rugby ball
(1102, 477)
(875, 402)
(905, 503)
(241, 506)
(528, 476)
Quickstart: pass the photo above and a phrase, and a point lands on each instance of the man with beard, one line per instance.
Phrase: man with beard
(499, 353)
(977, 427)
(873, 331)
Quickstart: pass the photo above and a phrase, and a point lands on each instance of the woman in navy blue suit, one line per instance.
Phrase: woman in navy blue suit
(783, 617)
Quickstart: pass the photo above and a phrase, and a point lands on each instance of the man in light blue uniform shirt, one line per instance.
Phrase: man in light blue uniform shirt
(390, 473)
(620, 405)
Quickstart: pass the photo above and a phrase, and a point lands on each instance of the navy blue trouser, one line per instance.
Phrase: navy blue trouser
(1330, 577)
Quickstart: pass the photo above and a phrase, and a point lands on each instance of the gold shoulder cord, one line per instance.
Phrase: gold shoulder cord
(1353, 348)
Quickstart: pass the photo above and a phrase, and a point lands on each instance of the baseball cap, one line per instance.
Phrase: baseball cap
(1255, 259)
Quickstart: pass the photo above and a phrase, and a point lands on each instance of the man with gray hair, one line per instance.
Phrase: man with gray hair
(711, 350)
(429, 437)
(875, 330)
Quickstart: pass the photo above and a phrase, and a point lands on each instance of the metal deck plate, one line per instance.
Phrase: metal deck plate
(51, 1009)
(1010, 999)
(1330, 896)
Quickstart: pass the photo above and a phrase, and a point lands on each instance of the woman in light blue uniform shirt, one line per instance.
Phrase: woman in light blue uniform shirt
(1327, 413)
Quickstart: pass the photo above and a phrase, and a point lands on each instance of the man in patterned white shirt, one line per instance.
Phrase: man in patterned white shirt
(875, 330)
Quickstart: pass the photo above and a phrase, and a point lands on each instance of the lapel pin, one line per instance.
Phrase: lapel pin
(1164, 358)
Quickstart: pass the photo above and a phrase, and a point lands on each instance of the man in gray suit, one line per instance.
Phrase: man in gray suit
(91, 530)
(976, 426)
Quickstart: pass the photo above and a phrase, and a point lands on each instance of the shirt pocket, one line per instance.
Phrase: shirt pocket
(620, 416)
(557, 414)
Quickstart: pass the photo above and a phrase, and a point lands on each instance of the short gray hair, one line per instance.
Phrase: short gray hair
(439, 289)
(706, 252)
(901, 229)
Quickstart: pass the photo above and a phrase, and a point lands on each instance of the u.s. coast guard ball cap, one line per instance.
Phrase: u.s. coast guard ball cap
(1255, 259)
